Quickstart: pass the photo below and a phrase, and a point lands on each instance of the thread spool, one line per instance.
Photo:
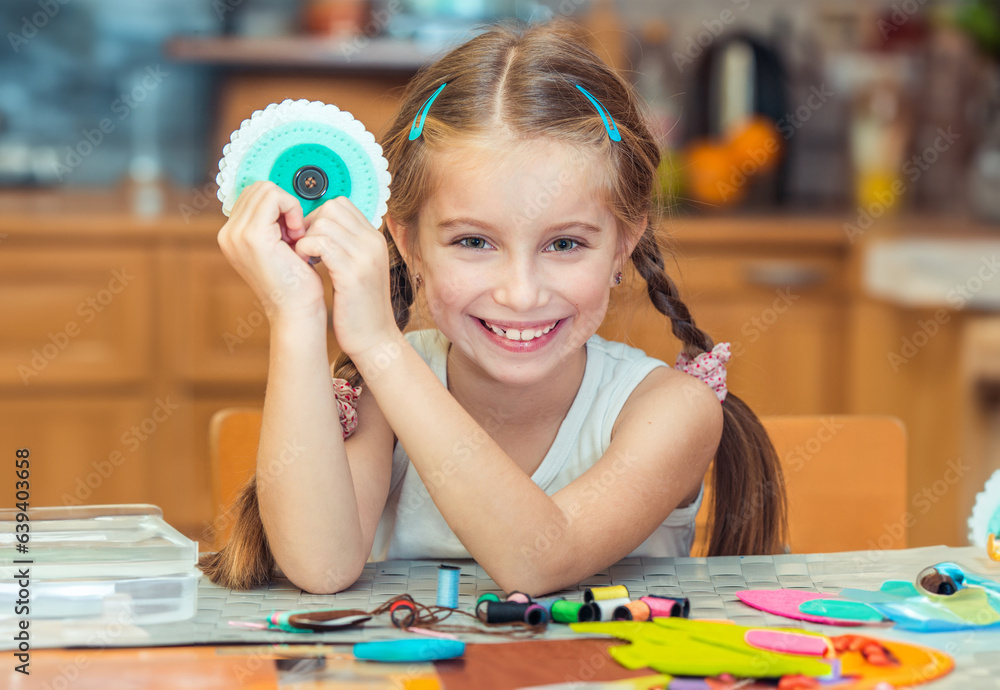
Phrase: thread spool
(632, 611)
(518, 598)
(666, 607)
(683, 602)
(604, 593)
(447, 591)
(512, 611)
(403, 614)
(547, 603)
(602, 610)
(535, 614)
(566, 611)
(489, 596)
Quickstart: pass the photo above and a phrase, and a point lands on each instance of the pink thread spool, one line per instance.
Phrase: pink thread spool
(519, 598)
(662, 607)
(632, 611)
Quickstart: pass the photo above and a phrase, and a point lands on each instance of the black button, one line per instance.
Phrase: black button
(310, 182)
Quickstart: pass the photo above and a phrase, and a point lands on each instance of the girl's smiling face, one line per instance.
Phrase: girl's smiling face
(517, 252)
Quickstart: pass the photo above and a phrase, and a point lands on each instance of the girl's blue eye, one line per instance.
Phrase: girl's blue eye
(479, 242)
(563, 244)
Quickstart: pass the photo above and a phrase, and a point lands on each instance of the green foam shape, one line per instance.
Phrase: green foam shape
(841, 610)
(679, 646)
(280, 145)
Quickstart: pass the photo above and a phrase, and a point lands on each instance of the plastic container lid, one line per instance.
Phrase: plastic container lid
(101, 541)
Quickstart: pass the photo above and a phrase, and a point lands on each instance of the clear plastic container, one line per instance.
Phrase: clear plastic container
(99, 562)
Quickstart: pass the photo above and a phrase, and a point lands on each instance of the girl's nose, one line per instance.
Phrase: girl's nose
(520, 286)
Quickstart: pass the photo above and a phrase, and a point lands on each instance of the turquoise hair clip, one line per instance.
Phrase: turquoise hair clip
(417, 128)
(609, 122)
(418, 120)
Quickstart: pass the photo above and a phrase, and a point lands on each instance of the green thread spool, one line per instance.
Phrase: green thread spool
(489, 596)
(566, 611)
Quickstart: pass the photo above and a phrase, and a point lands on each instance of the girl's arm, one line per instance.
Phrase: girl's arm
(526, 540)
(320, 499)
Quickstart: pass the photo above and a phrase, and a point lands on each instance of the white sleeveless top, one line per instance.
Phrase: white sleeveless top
(412, 527)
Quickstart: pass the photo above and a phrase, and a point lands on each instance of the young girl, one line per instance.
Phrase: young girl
(510, 432)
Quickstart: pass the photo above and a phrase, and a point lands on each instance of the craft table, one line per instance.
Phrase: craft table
(221, 655)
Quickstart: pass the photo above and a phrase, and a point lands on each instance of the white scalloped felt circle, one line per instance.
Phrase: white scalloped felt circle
(288, 111)
(986, 511)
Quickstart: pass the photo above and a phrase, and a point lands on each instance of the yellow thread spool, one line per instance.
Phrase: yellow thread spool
(605, 593)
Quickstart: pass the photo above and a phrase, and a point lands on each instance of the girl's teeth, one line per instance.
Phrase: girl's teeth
(514, 334)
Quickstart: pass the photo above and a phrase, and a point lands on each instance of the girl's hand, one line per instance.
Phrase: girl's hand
(357, 257)
(257, 240)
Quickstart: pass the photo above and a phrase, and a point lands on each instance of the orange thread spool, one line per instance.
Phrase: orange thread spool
(632, 611)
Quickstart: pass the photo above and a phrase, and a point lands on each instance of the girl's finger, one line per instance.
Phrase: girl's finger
(339, 211)
(322, 247)
(283, 207)
(337, 233)
(328, 234)
(353, 210)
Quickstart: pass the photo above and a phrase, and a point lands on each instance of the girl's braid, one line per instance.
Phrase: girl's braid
(648, 261)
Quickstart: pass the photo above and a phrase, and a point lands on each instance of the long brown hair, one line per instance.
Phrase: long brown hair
(521, 82)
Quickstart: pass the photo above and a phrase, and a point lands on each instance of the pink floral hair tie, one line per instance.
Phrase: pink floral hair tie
(710, 367)
(347, 399)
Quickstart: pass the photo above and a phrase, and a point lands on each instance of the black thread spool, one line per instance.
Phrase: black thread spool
(512, 612)
(403, 614)
(589, 612)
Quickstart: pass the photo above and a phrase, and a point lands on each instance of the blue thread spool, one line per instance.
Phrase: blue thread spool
(447, 594)
(547, 603)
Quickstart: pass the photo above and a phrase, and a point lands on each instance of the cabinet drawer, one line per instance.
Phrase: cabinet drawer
(763, 273)
(220, 331)
(85, 449)
(79, 316)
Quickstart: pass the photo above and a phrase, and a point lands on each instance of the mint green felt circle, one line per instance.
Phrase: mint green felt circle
(291, 161)
(262, 156)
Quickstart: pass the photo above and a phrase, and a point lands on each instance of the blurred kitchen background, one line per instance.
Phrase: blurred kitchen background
(830, 182)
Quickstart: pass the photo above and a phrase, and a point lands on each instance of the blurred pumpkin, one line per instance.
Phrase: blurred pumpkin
(755, 145)
(709, 174)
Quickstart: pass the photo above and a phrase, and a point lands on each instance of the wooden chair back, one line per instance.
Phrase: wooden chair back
(845, 478)
(232, 436)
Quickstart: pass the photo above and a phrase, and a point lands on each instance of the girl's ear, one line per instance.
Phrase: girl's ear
(400, 236)
(630, 243)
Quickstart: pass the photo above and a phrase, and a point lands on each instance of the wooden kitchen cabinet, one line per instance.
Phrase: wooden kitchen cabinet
(135, 390)
(74, 315)
(775, 290)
